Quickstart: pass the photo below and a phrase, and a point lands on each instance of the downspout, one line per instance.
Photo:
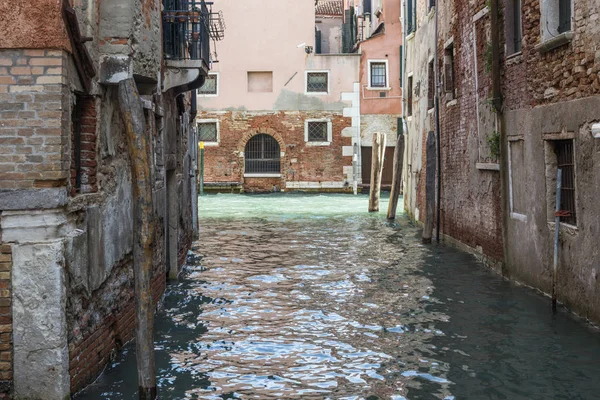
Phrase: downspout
(437, 127)
(497, 102)
(403, 79)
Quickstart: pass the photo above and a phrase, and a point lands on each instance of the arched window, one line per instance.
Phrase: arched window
(262, 155)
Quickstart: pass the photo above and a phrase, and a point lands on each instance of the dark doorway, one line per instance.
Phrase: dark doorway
(388, 166)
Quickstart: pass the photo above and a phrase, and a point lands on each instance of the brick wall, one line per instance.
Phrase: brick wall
(568, 72)
(6, 343)
(89, 354)
(301, 162)
(32, 110)
(85, 124)
(471, 204)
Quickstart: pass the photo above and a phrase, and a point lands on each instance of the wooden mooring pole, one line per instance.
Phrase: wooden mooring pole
(201, 184)
(430, 155)
(556, 236)
(397, 177)
(143, 234)
(379, 141)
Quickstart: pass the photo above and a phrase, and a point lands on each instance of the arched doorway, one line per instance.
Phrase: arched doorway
(262, 155)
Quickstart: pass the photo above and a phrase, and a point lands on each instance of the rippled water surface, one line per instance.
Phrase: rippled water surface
(310, 297)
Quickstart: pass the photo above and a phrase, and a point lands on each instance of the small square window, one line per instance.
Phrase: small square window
(317, 131)
(317, 82)
(210, 86)
(378, 73)
(207, 132)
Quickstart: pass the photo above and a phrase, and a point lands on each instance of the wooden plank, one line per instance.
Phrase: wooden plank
(397, 177)
(430, 155)
(378, 156)
(143, 237)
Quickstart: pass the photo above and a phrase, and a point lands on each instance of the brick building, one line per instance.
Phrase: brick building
(500, 150)
(379, 43)
(66, 195)
(281, 117)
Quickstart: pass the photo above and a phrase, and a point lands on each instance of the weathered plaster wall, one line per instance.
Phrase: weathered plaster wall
(531, 234)
(271, 44)
(331, 34)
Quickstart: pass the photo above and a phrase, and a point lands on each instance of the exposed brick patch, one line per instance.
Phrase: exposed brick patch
(6, 343)
(84, 153)
(89, 355)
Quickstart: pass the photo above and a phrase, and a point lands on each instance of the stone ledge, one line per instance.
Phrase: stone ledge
(557, 41)
(30, 199)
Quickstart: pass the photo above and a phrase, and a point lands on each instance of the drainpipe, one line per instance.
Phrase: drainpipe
(403, 17)
(437, 127)
(498, 108)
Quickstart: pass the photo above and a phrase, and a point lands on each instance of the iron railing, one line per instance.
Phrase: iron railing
(186, 30)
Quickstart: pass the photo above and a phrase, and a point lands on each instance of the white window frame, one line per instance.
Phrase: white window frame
(209, 121)
(218, 75)
(387, 75)
(312, 71)
(329, 132)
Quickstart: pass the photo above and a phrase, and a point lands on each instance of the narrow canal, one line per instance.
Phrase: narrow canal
(309, 296)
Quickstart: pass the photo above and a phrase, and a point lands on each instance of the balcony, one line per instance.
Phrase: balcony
(188, 27)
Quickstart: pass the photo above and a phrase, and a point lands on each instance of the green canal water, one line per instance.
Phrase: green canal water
(310, 297)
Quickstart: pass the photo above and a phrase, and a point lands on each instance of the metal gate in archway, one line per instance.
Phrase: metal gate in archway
(262, 155)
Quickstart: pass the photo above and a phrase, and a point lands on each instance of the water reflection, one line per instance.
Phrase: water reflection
(313, 301)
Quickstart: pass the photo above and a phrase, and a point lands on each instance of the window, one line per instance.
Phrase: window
(208, 132)
(317, 132)
(431, 4)
(262, 155)
(431, 88)
(401, 62)
(211, 86)
(411, 24)
(260, 82)
(317, 82)
(513, 26)
(449, 72)
(409, 96)
(564, 16)
(83, 145)
(378, 74)
(556, 19)
(564, 161)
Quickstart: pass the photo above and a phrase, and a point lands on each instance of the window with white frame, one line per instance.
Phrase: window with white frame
(317, 82)
(211, 85)
(317, 132)
(208, 132)
(378, 74)
(556, 18)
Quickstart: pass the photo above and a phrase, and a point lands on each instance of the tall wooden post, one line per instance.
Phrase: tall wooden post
(379, 140)
(397, 177)
(201, 168)
(143, 234)
(429, 188)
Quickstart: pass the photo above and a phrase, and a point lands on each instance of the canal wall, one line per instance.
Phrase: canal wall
(66, 190)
